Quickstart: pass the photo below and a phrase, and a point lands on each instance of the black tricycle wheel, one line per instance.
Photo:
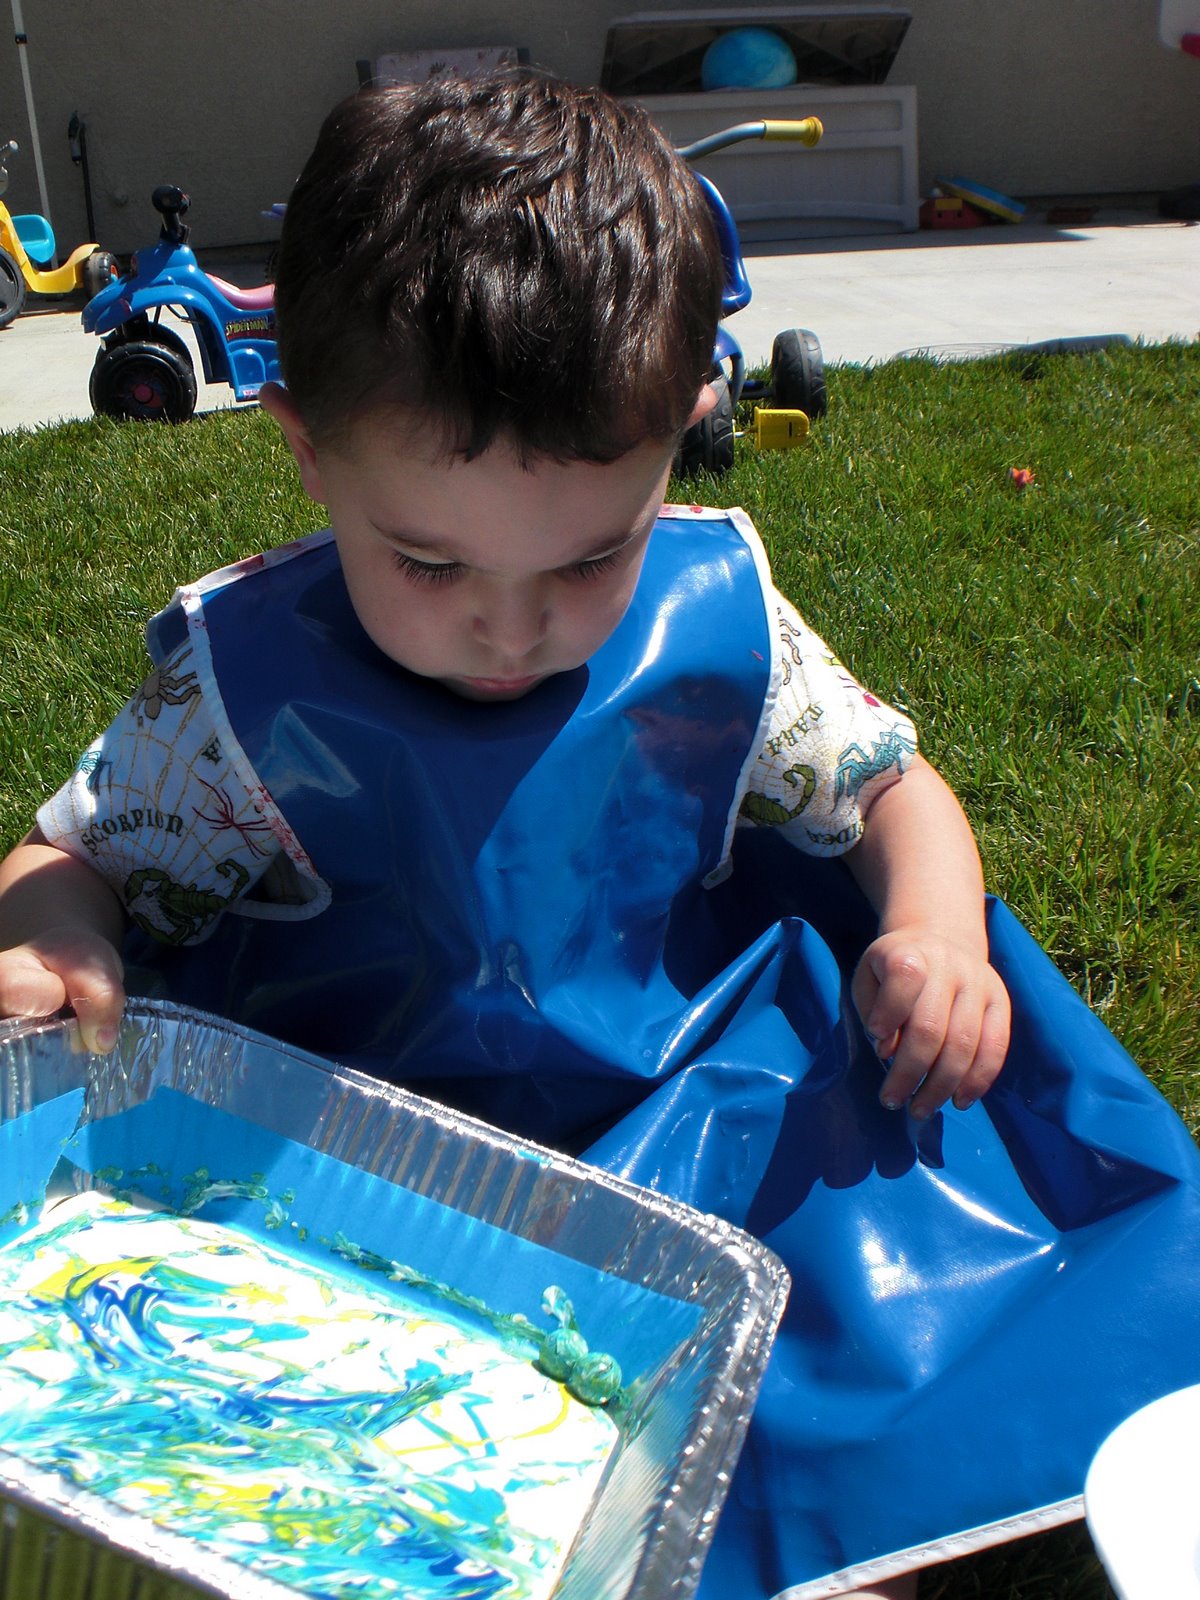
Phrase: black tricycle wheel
(798, 373)
(145, 380)
(12, 289)
(99, 270)
(707, 446)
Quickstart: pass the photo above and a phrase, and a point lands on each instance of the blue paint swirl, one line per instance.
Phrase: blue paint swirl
(183, 1384)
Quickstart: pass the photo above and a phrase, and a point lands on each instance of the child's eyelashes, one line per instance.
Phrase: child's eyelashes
(447, 571)
(595, 565)
(426, 571)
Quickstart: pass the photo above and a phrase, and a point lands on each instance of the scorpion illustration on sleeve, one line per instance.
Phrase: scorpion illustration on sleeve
(176, 912)
(766, 812)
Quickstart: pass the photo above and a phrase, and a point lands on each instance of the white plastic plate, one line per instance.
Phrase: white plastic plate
(1142, 1500)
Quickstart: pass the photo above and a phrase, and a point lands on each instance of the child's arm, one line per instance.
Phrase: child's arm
(61, 927)
(924, 988)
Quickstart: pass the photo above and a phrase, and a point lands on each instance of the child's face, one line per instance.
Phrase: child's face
(484, 575)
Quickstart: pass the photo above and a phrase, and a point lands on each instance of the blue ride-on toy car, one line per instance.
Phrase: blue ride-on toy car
(144, 368)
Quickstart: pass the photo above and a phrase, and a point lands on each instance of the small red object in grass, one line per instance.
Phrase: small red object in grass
(1021, 476)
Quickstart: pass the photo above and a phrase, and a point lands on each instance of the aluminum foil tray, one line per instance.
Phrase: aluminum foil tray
(688, 1304)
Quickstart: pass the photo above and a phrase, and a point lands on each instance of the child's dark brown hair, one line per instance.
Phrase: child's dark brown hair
(507, 257)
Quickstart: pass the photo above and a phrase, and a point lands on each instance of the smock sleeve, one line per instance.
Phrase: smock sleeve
(156, 808)
(831, 749)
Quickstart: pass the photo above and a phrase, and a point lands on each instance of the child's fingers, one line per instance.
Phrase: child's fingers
(27, 987)
(83, 971)
(933, 1051)
(95, 992)
(989, 1057)
(938, 1016)
(951, 1062)
(887, 985)
(966, 1062)
(99, 1017)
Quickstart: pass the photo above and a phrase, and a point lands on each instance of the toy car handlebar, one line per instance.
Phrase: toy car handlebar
(806, 131)
(171, 203)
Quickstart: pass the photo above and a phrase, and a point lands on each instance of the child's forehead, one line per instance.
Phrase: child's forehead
(397, 433)
(405, 447)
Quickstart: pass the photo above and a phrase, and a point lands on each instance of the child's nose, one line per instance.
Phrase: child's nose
(512, 620)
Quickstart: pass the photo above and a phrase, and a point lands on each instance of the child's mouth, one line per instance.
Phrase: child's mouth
(497, 688)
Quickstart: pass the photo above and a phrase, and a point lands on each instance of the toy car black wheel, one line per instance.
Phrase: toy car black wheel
(148, 380)
(798, 373)
(707, 446)
(99, 270)
(12, 289)
(140, 330)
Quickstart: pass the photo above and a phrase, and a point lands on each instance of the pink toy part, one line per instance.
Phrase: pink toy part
(1190, 44)
(260, 299)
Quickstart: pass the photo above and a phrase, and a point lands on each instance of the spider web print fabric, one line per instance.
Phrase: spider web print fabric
(158, 808)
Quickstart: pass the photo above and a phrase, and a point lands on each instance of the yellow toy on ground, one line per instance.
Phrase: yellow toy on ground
(779, 429)
(27, 253)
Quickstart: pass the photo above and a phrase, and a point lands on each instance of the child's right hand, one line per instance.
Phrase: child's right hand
(66, 966)
(60, 929)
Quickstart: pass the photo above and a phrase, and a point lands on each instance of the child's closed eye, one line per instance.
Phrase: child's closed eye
(426, 571)
(594, 565)
(447, 571)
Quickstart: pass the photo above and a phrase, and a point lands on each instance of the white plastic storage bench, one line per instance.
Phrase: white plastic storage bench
(861, 178)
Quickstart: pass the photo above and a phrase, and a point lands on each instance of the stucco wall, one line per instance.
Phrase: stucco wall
(224, 96)
(1052, 96)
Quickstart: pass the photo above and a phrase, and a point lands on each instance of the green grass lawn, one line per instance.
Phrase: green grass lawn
(1046, 642)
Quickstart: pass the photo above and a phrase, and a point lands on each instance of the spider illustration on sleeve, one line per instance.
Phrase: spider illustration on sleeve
(166, 686)
(226, 818)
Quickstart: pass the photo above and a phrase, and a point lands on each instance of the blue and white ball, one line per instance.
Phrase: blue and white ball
(748, 58)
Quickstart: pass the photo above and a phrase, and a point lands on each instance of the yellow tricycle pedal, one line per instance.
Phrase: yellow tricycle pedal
(779, 430)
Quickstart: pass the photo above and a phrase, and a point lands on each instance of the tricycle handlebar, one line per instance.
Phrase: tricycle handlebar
(806, 131)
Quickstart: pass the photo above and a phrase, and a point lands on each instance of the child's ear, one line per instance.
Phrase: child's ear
(277, 403)
(705, 401)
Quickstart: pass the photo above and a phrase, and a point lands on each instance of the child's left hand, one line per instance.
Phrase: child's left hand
(938, 1013)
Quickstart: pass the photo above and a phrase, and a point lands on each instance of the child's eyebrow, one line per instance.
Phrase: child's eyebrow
(406, 536)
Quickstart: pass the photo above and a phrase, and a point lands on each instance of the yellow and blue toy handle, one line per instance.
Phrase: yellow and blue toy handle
(805, 130)
(737, 293)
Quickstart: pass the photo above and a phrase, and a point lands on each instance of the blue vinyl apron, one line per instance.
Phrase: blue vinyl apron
(517, 926)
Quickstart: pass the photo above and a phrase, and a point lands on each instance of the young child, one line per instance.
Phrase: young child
(442, 794)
